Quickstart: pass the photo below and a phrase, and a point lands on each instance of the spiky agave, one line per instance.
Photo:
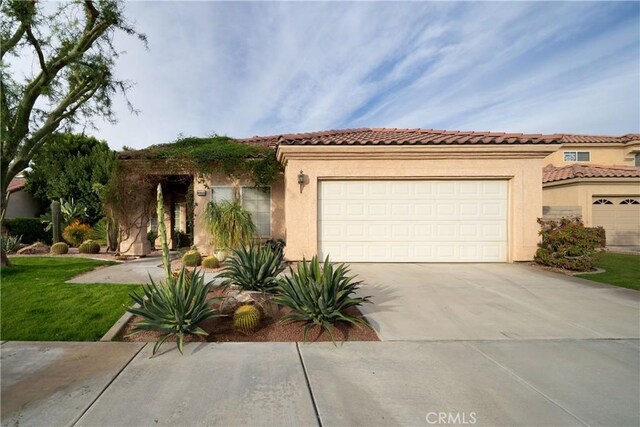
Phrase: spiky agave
(320, 295)
(254, 268)
(174, 307)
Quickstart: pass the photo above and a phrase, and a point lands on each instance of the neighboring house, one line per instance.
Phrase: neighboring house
(392, 195)
(21, 203)
(598, 179)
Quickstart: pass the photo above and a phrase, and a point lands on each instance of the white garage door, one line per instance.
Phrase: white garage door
(413, 221)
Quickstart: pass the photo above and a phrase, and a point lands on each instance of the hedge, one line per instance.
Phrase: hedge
(31, 229)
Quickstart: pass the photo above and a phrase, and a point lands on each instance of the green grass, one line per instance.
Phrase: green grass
(621, 270)
(38, 306)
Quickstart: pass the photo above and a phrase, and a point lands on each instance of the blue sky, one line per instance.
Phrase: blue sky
(246, 69)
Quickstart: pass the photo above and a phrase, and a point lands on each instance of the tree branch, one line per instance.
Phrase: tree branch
(36, 45)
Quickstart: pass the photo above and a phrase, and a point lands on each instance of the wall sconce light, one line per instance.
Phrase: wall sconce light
(301, 179)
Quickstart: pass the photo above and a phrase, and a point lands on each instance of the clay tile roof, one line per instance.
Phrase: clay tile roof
(552, 173)
(17, 184)
(577, 139)
(393, 136)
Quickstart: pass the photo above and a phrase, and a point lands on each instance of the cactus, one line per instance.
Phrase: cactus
(246, 318)
(211, 262)
(192, 258)
(89, 247)
(55, 221)
(162, 231)
(59, 248)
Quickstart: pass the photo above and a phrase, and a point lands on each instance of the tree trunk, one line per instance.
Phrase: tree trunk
(4, 199)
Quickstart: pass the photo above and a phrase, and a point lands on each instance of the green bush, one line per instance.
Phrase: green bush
(89, 247)
(210, 262)
(174, 308)
(151, 237)
(59, 248)
(31, 229)
(255, 268)
(568, 244)
(320, 296)
(10, 244)
(192, 258)
(598, 236)
(76, 233)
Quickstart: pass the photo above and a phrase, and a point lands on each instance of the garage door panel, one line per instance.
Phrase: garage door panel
(413, 221)
(620, 221)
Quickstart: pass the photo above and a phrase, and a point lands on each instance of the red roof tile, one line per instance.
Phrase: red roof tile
(552, 173)
(386, 136)
(17, 184)
(582, 139)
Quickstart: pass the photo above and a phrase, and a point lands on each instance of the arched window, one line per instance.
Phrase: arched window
(603, 202)
(629, 202)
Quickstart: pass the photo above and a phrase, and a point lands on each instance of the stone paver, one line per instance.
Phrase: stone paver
(493, 301)
(212, 384)
(54, 383)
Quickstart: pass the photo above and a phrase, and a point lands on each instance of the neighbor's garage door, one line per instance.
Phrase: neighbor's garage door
(413, 221)
(620, 217)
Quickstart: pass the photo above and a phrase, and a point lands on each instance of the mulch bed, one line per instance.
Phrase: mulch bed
(221, 330)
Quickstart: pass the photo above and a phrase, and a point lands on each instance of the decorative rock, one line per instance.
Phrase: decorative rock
(37, 248)
(235, 298)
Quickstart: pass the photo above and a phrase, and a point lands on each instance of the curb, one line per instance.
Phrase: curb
(118, 326)
(597, 271)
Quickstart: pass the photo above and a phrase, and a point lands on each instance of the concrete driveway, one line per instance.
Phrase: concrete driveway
(493, 302)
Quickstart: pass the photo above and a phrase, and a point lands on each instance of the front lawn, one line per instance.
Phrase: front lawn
(38, 306)
(621, 270)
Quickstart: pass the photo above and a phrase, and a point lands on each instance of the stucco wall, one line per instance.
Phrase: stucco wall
(581, 193)
(619, 154)
(21, 204)
(201, 237)
(520, 166)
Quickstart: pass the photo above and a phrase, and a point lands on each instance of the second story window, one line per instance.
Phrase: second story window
(577, 156)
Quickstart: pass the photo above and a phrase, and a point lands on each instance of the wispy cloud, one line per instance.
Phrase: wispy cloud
(264, 68)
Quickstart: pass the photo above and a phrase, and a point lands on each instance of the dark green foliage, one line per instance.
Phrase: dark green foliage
(89, 247)
(598, 235)
(68, 167)
(31, 229)
(232, 157)
(568, 244)
(151, 237)
(192, 258)
(10, 244)
(320, 296)
(59, 248)
(253, 268)
(174, 307)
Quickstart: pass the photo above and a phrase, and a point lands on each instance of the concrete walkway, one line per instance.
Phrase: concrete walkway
(130, 272)
(499, 383)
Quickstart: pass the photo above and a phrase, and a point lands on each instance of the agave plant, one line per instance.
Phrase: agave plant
(320, 295)
(174, 307)
(10, 244)
(253, 268)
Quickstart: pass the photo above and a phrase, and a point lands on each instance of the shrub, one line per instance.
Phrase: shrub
(89, 247)
(76, 233)
(192, 258)
(568, 244)
(181, 240)
(210, 262)
(59, 248)
(246, 318)
(151, 237)
(10, 244)
(599, 236)
(320, 295)
(255, 268)
(174, 307)
(230, 224)
(31, 229)
(275, 244)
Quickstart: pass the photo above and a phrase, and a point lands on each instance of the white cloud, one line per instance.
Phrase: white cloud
(266, 68)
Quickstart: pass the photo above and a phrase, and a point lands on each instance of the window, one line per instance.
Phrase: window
(177, 217)
(602, 202)
(629, 202)
(637, 162)
(256, 200)
(154, 224)
(577, 156)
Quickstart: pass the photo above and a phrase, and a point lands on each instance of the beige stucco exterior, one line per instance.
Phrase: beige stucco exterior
(520, 166)
(580, 192)
(601, 154)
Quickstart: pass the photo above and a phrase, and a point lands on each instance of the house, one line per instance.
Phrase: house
(389, 195)
(598, 179)
(22, 204)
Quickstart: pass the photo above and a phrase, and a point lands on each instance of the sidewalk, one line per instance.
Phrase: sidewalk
(526, 382)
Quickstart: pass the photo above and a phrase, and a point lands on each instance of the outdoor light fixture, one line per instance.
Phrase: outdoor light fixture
(201, 193)
(301, 179)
